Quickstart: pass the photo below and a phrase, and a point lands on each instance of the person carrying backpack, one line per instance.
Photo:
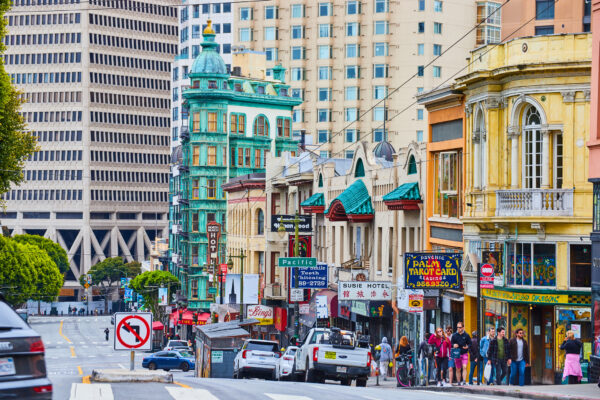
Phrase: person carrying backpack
(426, 353)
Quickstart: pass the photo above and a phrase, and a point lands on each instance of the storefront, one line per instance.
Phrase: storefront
(545, 317)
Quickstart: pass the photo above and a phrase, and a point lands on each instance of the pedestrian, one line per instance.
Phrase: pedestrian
(519, 357)
(484, 346)
(462, 341)
(572, 348)
(426, 354)
(475, 358)
(451, 360)
(441, 346)
(499, 353)
(106, 332)
(403, 346)
(385, 357)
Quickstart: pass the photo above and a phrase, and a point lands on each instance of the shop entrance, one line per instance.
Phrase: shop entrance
(542, 345)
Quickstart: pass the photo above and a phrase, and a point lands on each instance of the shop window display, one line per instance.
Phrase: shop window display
(496, 314)
(531, 264)
(578, 320)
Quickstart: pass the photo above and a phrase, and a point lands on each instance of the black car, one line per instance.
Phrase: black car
(22, 365)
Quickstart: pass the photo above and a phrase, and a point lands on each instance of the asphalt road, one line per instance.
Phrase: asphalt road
(76, 345)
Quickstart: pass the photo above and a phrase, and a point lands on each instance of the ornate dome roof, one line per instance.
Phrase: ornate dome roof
(384, 150)
(209, 61)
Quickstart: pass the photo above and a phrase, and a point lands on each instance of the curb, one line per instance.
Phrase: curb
(121, 376)
(502, 392)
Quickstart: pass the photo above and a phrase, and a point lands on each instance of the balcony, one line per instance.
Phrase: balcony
(534, 202)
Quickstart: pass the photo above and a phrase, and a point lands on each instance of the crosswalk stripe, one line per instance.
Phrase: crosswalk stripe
(179, 393)
(279, 396)
(97, 391)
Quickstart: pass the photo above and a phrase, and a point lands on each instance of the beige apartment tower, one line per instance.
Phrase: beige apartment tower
(344, 57)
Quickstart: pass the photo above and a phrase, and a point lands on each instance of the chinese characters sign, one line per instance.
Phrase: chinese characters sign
(433, 270)
(365, 290)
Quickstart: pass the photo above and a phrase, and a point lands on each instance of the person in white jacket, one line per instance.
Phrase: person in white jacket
(385, 357)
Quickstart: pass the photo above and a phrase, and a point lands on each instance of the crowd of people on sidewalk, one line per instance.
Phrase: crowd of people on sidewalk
(446, 357)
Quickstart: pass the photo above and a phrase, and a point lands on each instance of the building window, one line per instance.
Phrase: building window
(580, 271)
(352, 72)
(420, 49)
(272, 53)
(325, 9)
(532, 151)
(271, 33)
(260, 222)
(245, 13)
(211, 188)
(352, 29)
(323, 154)
(421, 27)
(479, 153)
(379, 114)
(247, 160)
(437, 49)
(324, 73)
(297, 74)
(380, 71)
(261, 126)
(324, 94)
(323, 136)
(351, 93)
(544, 30)
(297, 93)
(297, 53)
(378, 135)
(297, 32)
(195, 189)
(447, 171)
(379, 92)
(352, 50)
(271, 12)
(437, 5)
(212, 122)
(283, 127)
(196, 122)
(349, 154)
(245, 34)
(420, 114)
(437, 28)
(421, 5)
(297, 10)
(298, 115)
(531, 264)
(212, 156)
(544, 9)
(350, 114)
(437, 71)
(380, 49)
(558, 161)
(419, 136)
(359, 171)
(352, 135)
(194, 264)
(324, 30)
(382, 28)
(381, 6)
(323, 115)
(257, 158)
(195, 223)
(196, 156)
(324, 52)
(353, 7)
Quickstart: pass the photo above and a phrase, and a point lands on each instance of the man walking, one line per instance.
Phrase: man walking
(499, 353)
(385, 357)
(426, 353)
(461, 340)
(519, 357)
(484, 347)
(475, 358)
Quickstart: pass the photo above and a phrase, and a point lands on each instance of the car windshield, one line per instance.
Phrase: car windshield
(291, 352)
(10, 319)
(178, 343)
(261, 346)
(186, 354)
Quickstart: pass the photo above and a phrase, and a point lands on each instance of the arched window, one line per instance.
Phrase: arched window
(261, 126)
(260, 221)
(359, 171)
(412, 165)
(479, 151)
(320, 180)
(532, 149)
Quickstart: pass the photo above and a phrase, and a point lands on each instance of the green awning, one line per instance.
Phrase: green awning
(407, 191)
(316, 200)
(355, 201)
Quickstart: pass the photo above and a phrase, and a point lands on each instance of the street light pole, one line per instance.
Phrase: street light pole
(281, 229)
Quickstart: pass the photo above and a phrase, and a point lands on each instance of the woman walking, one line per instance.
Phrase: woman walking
(441, 345)
(572, 369)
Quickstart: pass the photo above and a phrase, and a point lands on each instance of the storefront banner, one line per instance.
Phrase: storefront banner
(311, 277)
(322, 311)
(280, 318)
(432, 270)
(415, 303)
(163, 296)
(360, 308)
(364, 291)
(263, 314)
(518, 297)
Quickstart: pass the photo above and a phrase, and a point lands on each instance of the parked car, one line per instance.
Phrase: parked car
(22, 365)
(177, 345)
(332, 354)
(256, 358)
(23, 314)
(168, 360)
(285, 366)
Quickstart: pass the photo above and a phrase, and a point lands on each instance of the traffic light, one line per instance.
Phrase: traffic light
(195, 318)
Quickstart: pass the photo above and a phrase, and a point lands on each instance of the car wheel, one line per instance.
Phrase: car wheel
(361, 382)
(152, 366)
(185, 367)
(346, 381)
(166, 369)
(309, 375)
(273, 376)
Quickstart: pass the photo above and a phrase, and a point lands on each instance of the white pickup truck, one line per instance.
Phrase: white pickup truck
(332, 354)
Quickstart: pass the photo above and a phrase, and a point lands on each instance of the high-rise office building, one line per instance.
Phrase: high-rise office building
(95, 76)
(343, 57)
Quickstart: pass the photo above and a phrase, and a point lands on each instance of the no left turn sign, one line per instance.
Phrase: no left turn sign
(133, 331)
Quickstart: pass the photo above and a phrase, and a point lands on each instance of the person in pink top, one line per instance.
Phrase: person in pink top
(441, 349)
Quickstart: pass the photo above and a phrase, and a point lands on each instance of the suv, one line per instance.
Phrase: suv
(22, 365)
(256, 358)
(177, 345)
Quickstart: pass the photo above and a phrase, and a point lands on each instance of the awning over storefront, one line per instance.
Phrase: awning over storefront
(157, 326)
(314, 204)
(353, 204)
(405, 197)
(187, 318)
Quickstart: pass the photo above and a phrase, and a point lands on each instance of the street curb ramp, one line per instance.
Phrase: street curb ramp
(513, 392)
(121, 375)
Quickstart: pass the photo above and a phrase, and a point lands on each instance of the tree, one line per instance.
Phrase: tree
(105, 274)
(17, 276)
(147, 285)
(48, 279)
(134, 268)
(16, 145)
(54, 250)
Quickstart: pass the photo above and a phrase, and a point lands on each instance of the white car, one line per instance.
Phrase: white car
(256, 358)
(177, 345)
(285, 366)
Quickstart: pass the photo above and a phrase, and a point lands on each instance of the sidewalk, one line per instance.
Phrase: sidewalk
(585, 391)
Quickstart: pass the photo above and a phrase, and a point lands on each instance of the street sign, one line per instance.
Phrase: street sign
(223, 274)
(354, 290)
(486, 279)
(305, 224)
(415, 303)
(296, 295)
(212, 290)
(133, 331)
(213, 233)
(297, 262)
(311, 277)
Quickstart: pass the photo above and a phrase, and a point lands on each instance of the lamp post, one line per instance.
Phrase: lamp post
(282, 231)
(241, 256)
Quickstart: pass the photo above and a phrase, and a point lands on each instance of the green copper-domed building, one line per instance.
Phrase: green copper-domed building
(233, 122)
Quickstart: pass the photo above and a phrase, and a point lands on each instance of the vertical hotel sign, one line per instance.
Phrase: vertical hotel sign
(213, 233)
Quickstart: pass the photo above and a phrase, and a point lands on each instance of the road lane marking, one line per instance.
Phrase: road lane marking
(183, 385)
(86, 380)
(80, 370)
(73, 355)
(97, 391)
(60, 332)
(280, 396)
(123, 367)
(181, 393)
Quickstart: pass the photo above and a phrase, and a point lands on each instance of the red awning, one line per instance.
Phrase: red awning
(157, 326)
(187, 318)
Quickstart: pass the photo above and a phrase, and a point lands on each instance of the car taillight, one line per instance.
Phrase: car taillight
(288, 358)
(244, 353)
(315, 351)
(43, 389)
(369, 360)
(37, 346)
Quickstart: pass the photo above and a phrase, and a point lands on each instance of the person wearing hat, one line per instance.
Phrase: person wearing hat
(475, 358)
